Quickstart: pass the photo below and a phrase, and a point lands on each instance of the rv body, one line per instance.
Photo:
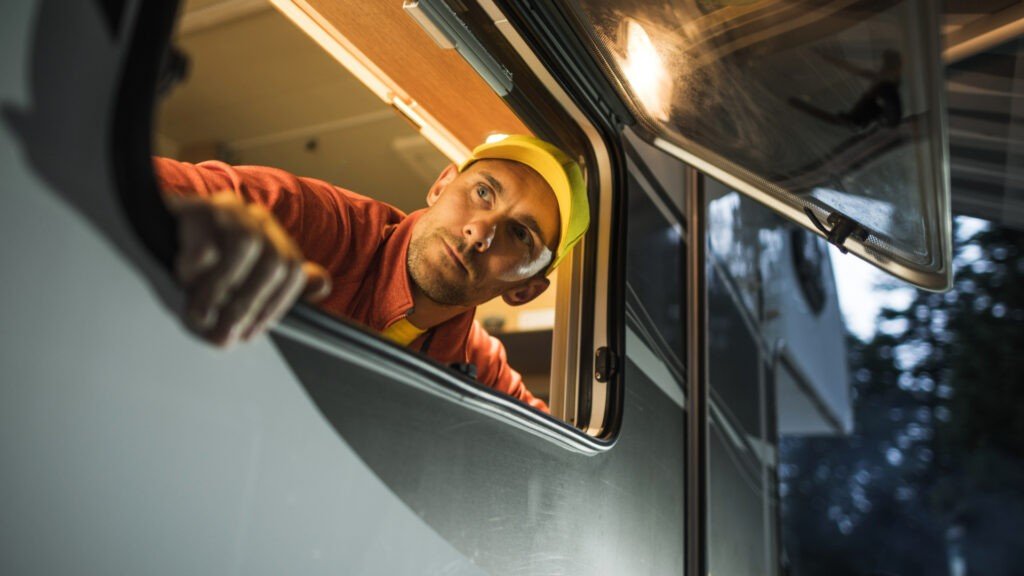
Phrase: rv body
(131, 447)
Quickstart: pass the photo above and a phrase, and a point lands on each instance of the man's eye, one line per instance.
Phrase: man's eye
(522, 234)
(483, 192)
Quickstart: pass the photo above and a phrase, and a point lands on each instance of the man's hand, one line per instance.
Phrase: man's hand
(240, 269)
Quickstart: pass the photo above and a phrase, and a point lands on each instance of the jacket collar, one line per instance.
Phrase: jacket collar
(394, 300)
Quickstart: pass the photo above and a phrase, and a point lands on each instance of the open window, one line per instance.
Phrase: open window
(378, 98)
(831, 113)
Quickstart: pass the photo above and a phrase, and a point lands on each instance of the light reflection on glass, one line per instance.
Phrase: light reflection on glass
(646, 72)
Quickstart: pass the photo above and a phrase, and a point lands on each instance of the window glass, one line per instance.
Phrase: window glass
(835, 109)
(655, 273)
(929, 480)
(739, 450)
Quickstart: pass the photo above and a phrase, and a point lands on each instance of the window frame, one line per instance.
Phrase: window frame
(935, 275)
(138, 192)
(592, 280)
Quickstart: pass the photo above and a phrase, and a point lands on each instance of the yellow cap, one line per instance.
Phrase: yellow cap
(562, 173)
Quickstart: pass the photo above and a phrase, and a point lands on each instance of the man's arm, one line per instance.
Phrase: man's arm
(489, 356)
(320, 217)
(240, 270)
(239, 260)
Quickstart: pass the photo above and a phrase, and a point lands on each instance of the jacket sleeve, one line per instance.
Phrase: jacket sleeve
(324, 220)
(488, 354)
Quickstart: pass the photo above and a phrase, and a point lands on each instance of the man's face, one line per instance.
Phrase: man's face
(491, 230)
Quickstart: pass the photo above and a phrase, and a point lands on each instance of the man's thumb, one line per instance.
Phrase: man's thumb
(318, 283)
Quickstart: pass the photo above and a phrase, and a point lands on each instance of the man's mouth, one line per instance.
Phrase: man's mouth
(455, 257)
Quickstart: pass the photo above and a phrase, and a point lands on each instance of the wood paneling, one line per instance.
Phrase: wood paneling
(439, 80)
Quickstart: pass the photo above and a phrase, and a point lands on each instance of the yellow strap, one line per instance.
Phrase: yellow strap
(402, 332)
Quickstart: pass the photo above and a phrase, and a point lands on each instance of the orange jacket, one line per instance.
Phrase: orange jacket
(362, 243)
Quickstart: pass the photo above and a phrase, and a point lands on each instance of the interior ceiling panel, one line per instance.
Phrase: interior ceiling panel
(259, 91)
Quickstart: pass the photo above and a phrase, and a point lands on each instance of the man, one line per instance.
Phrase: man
(254, 239)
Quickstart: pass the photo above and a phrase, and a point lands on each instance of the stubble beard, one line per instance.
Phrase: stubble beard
(434, 285)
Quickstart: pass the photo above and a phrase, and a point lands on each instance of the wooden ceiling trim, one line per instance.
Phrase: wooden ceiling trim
(439, 81)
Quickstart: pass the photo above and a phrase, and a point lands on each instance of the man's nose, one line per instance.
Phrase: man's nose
(480, 233)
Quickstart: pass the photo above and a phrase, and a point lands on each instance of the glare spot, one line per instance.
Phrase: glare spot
(923, 415)
(893, 326)
(968, 254)
(967, 227)
(982, 303)
(894, 456)
(646, 72)
(982, 266)
(834, 512)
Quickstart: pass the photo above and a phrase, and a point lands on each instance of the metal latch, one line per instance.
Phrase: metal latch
(843, 227)
(605, 364)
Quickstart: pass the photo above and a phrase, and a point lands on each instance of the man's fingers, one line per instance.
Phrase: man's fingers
(318, 282)
(279, 303)
(242, 270)
(211, 291)
(197, 251)
(309, 280)
(250, 297)
(193, 262)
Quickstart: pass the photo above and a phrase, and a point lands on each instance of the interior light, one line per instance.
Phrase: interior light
(646, 72)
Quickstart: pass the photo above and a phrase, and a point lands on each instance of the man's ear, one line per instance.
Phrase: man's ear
(531, 289)
(445, 178)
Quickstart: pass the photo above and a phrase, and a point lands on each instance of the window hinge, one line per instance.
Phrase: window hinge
(606, 364)
(843, 227)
